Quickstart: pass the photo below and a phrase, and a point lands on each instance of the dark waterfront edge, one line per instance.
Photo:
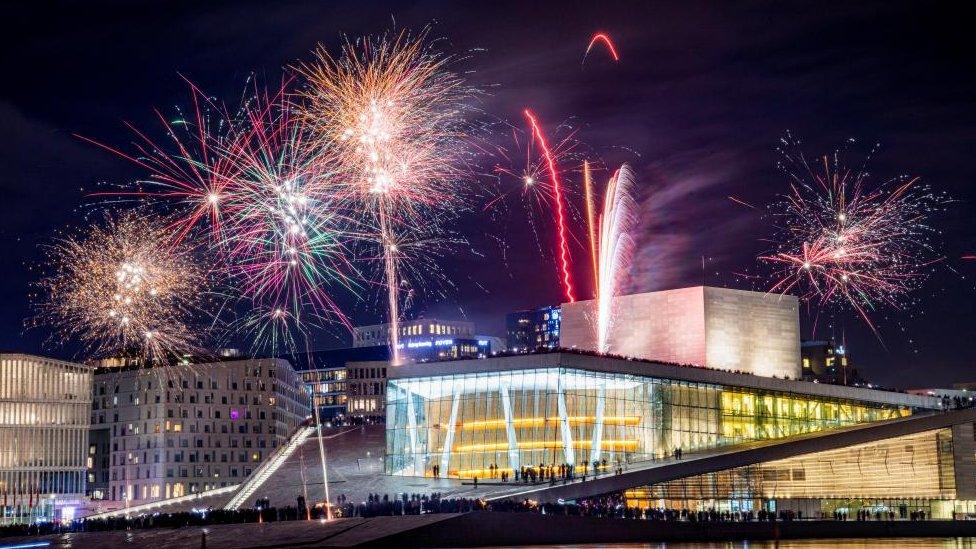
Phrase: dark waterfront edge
(484, 529)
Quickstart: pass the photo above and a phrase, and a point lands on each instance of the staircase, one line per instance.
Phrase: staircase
(268, 468)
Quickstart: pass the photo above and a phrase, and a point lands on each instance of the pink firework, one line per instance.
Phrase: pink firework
(849, 242)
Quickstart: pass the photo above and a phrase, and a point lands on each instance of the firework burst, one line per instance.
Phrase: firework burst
(389, 118)
(254, 190)
(283, 230)
(124, 288)
(848, 242)
(521, 170)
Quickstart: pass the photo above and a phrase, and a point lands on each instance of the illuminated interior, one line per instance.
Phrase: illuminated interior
(901, 474)
(466, 425)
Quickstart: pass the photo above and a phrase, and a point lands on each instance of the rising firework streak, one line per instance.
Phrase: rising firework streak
(564, 255)
(616, 248)
(591, 229)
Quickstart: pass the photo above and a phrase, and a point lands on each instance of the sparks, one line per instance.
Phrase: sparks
(122, 287)
(848, 242)
(616, 248)
(390, 114)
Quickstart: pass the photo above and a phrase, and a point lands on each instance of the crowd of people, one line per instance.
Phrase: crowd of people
(377, 505)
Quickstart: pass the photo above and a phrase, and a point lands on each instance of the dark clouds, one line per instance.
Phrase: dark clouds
(701, 95)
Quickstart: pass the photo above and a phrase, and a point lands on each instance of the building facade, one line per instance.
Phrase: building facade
(734, 330)
(164, 432)
(533, 329)
(379, 334)
(44, 421)
(898, 476)
(812, 450)
(827, 362)
(325, 374)
(556, 408)
(429, 340)
(367, 390)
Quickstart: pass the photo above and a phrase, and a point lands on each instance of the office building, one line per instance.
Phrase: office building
(428, 340)
(826, 362)
(325, 374)
(162, 432)
(721, 328)
(366, 388)
(533, 329)
(44, 419)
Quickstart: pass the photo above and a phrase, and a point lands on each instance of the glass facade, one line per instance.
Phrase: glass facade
(900, 475)
(465, 423)
(44, 418)
(533, 329)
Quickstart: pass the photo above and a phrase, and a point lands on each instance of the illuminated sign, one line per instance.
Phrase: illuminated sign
(415, 344)
(482, 342)
(444, 342)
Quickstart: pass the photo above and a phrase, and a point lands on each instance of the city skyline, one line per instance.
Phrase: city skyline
(697, 108)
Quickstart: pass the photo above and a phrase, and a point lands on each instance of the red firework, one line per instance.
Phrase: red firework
(564, 255)
(603, 38)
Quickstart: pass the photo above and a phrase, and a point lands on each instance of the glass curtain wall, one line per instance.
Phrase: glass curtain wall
(482, 424)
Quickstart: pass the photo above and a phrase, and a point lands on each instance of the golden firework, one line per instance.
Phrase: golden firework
(123, 287)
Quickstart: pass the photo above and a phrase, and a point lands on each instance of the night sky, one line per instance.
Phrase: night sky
(697, 104)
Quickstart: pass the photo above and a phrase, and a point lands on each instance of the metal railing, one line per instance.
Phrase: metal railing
(267, 469)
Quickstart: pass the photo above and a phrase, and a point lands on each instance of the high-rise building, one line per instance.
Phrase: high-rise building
(162, 432)
(752, 332)
(430, 339)
(44, 420)
(533, 329)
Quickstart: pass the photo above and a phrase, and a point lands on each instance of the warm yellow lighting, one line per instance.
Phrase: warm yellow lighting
(542, 421)
(545, 444)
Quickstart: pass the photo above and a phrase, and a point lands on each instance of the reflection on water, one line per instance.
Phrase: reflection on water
(866, 543)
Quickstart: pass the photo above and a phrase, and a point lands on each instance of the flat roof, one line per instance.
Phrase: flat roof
(661, 370)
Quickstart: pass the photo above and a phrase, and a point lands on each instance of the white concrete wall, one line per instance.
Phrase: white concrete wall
(716, 327)
(752, 332)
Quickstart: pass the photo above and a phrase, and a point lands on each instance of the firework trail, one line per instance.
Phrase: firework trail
(603, 38)
(564, 255)
(391, 116)
(741, 202)
(846, 242)
(616, 247)
(591, 228)
(124, 288)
